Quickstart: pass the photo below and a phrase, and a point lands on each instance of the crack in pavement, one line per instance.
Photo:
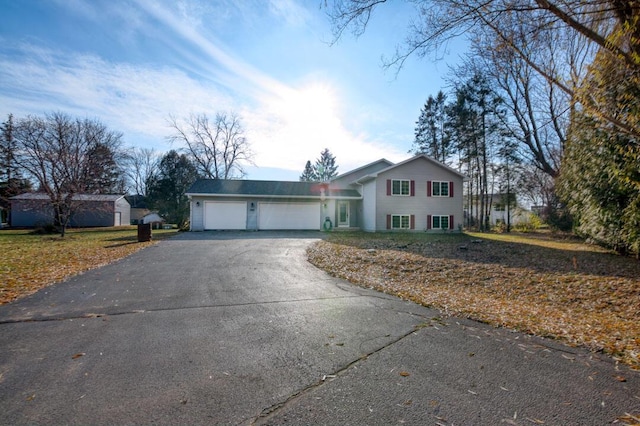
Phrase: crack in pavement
(266, 413)
(62, 317)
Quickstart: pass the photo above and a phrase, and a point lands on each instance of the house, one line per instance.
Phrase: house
(418, 194)
(139, 208)
(498, 211)
(34, 209)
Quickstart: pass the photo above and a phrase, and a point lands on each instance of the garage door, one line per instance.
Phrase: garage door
(289, 216)
(225, 215)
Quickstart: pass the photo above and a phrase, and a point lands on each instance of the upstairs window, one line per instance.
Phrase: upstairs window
(400, 187)
(440, 189)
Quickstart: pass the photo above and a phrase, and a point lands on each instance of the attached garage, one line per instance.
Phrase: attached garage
(288, 215)
(227, 215)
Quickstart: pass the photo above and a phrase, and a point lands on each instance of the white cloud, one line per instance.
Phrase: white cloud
(286, 125)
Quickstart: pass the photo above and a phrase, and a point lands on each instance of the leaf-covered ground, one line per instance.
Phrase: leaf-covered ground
(536, 283)
(29, 262)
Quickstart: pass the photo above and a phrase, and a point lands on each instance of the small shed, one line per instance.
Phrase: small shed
(34, 209)
(154, 219)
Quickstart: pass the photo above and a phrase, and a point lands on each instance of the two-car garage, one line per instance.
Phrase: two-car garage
(235, 215)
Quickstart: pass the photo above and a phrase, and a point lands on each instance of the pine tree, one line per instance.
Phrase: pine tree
(176, 172)
(430, 133)
(325, 168)
(309, 174)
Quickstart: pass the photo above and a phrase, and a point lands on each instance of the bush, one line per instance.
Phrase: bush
(532, 223)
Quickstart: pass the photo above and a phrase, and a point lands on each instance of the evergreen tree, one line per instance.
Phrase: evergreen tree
(600, 177)
(473, 121)
(11, 180)
(430, 133)
(166, 190)
(309, 174)
(325, 168)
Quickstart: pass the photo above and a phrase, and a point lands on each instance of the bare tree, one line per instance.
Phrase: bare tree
(612, 26)
(220, 148)
(141, 167)
(61, 155)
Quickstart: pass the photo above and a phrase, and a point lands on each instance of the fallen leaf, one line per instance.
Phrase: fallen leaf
(404, 374)
(620, 378)
(78, 355)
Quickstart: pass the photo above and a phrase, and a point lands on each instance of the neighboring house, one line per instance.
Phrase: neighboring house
(419, 194)
(139, 208)
(34, 209)
(498, 212)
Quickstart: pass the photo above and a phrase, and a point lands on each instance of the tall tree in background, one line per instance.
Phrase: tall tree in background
(166, 190)
(141, 167)
(323, 170)
(474, 124)
(430, 132)
(325, 167)
(67, 157)
(218, 147)
(11, 180)
(309, 174)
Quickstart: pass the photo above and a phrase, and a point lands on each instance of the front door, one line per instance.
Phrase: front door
(343, 213)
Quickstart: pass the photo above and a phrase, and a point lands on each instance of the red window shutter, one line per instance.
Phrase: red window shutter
(450, 221)
(413, 188)
(428, 188)
(450, 189)
(412, 225)
(388, 187)
(388, 221)
(428, 221)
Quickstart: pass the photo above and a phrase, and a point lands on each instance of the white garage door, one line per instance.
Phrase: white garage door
(225, 215)
(289, 216)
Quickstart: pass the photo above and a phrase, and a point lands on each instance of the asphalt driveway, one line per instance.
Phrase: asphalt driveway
(237, 328)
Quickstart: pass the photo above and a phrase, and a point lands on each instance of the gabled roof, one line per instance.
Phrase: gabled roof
(268, 188)
(76, 197)
(384, 163)
(423, 156)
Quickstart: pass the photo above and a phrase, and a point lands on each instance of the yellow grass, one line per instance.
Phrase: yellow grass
(561, 288)
(29, 262)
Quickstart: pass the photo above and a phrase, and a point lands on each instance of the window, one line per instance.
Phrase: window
(400, 187)
(439, 222)
(400, 221)
(440, 189)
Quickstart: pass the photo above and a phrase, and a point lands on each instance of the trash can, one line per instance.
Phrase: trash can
(144, 232)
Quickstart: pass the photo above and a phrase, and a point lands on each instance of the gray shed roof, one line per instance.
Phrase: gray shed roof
(266, 188)
(77, 197)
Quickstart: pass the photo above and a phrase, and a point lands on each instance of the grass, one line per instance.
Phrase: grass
(536, 283)
(29, 262)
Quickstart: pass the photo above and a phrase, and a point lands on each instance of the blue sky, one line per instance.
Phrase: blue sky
(134, 63)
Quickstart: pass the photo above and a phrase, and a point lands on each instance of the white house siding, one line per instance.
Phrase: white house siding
(124, 208)
(420, 171)
(369, 206)
(197, 214)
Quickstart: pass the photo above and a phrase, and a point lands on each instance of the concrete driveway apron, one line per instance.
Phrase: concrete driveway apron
(237, 328)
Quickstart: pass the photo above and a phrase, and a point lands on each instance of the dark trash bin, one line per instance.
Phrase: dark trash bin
(144, 232)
